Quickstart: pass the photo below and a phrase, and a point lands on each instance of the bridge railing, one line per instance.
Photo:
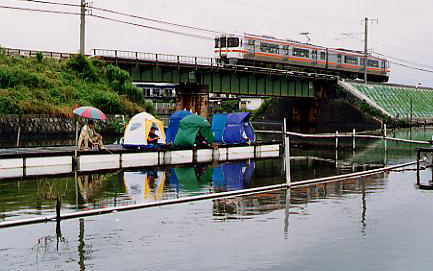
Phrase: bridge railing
(34, 53)
(166, 58)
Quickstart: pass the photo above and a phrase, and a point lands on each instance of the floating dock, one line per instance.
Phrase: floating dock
(40, 161)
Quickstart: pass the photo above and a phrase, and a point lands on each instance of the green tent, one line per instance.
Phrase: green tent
(189, 129)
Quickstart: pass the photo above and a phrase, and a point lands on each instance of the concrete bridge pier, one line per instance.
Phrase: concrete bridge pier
(193, 97)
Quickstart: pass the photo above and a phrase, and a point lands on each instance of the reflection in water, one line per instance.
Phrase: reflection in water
(145, 185)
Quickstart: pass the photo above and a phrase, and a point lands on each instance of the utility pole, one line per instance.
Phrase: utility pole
(83, 27)
(365, 50)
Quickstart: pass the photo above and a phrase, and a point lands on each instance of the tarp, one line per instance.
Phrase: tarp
(218, 124)
(233, 176)
(173, 124)
(138, 129)
(190, 127)
(238, 129)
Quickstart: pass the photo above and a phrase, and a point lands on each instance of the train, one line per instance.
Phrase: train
(267, 51)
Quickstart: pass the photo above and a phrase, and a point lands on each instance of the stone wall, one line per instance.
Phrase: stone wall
(42, 125)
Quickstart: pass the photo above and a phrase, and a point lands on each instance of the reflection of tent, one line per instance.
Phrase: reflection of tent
(144, 186)
(238, 129)
(233, 176)
(192, 179)
(189, 129)
(173, 124)
(138, 129)
(218, 125)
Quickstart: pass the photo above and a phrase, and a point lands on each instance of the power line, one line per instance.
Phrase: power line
(41, 10)
(125, 14)
(403, 60)
(109, 19)
(410, 67)
(152, 27)
(50, 3)
(154, 20)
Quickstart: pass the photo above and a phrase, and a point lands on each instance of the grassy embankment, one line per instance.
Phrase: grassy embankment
(48, 86)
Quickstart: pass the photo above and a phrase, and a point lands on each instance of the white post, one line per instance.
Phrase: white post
(286, 152)
(336, 149)
(76, 133)
(353, 139)
(385, 158)
(18, 135)
(384, 131)
(336, 140)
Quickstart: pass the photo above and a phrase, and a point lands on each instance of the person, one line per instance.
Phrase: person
(89, 137)
(152, 138)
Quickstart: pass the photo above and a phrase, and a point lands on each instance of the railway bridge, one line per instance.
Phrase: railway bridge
(197, 77)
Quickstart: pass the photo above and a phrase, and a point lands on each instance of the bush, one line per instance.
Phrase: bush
(39, 57)
(108, 102)
(8, 105)
(83, 67)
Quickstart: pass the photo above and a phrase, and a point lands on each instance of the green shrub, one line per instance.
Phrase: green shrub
(39, 57)
(108, 102)
(8, 105)
(83, 67)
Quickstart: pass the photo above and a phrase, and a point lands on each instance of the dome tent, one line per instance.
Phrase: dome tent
(138, 129)
(190, 127)
(238, 129)
(218, 124)
(173, 124)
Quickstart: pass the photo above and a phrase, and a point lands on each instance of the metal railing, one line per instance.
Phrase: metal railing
(154, 57)
(34, 53)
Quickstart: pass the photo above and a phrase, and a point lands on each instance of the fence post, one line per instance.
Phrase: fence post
(287, 153)
(353, 139)
(336, 140)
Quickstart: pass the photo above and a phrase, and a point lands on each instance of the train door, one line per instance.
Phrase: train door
(314, 56)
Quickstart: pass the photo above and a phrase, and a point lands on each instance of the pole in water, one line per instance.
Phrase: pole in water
(18, 135)
(58, 204)
(336, 149)
(353, 139)
(286, 152)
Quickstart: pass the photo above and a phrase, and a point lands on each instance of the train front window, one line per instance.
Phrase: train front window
(217, 43)
(233, 42)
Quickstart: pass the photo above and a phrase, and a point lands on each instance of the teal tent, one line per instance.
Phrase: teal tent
(190, 128)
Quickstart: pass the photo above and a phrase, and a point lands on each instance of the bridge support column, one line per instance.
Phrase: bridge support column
(194, 98)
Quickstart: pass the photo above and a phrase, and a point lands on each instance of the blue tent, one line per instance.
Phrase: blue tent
(233, 176)
(238, 129)
(174, 123)
(218, 124)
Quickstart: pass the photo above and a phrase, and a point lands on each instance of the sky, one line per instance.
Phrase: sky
(400, 29)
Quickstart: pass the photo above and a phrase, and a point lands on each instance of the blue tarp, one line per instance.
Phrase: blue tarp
(238, 129)
(174, 123)
(218, 124)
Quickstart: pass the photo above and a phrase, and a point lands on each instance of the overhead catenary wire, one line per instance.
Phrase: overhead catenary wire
(41, 10)
(152, 27)
(109, 19)
(403, 60)
(127, 15)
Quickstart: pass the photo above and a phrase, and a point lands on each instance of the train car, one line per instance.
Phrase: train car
(265, 51)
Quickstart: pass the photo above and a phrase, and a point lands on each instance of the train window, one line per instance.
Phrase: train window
(269, 48)
(339, 59)
(351, 60)
(383, 64)
(223, 42)
(217, 43)
(322, 55)
(373, 63)
(251, 42)
(232, 42)
(285, 50)
(301, 52)
(156, 92)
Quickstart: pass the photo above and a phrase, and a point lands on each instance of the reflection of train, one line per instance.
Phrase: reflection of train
(254, 50)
